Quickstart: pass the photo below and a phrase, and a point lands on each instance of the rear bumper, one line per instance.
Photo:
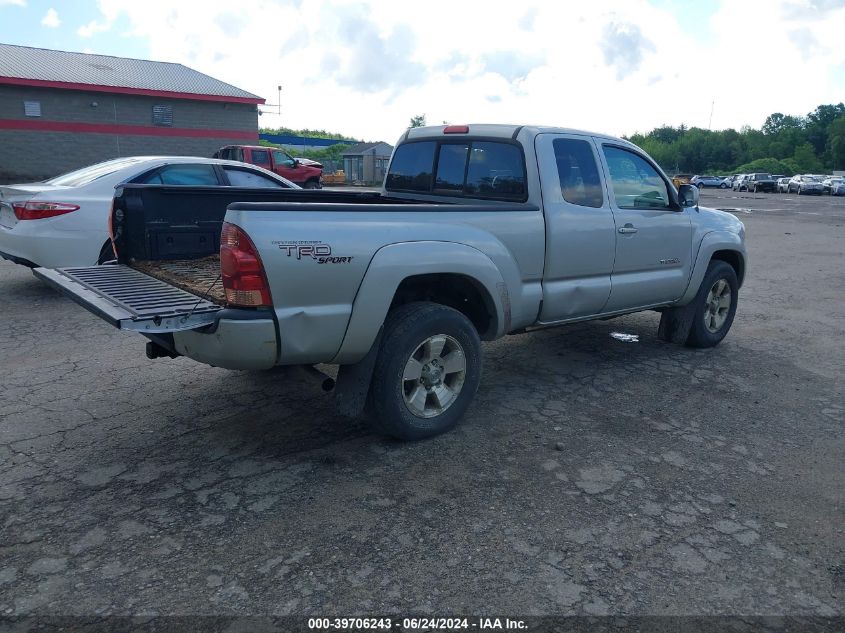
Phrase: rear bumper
(18, 260)
(239, 339)
(32, 245)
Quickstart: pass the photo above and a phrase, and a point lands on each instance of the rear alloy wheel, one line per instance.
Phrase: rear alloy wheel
(427, 372)
(716, 303)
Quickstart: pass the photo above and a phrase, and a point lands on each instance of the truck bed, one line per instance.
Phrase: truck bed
(197, 276)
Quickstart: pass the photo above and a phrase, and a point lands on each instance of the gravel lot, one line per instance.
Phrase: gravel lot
(591, 475)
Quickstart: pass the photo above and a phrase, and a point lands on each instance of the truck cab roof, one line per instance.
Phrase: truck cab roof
(498, 130)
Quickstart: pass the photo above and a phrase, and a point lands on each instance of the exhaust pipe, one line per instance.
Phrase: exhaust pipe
(326, 382)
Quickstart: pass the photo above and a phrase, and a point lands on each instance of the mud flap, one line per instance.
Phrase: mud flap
(353, 382)
(676, 323)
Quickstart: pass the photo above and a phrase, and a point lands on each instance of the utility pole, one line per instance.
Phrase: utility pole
(279, 103)
(710, 122)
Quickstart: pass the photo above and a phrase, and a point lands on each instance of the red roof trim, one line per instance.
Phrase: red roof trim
(131, 130)
(66, 85)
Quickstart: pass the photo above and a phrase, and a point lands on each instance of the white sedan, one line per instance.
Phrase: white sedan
(63, 221)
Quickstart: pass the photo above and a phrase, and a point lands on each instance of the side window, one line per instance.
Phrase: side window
(184, 175)
(450, 167)
(496, 170)
(261, 157)
(247, 178)
(411, 167)
(578, 172)
(280, 158)
(636, 184)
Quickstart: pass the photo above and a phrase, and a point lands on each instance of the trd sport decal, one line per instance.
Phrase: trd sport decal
(316, 250)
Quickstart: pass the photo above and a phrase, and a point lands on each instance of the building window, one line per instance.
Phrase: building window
(32, 108)
(163, 115)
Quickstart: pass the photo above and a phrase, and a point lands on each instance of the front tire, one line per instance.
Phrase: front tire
(427, 372)
(312, 184)
(715, 305)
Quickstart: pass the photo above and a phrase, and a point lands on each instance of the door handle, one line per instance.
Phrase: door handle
(628, 228)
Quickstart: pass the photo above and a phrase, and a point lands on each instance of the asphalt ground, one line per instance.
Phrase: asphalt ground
(592, 475)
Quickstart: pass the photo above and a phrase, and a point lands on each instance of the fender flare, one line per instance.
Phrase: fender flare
(710, 244)
(394, 263)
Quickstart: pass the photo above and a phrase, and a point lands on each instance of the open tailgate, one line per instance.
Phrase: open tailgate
(131, 300)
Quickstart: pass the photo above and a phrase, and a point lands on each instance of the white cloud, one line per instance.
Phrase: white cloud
(618, 66)
(51, 19)
(15, 3)
(92, 28)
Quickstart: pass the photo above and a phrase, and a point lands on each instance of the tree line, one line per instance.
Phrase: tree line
(785, 144)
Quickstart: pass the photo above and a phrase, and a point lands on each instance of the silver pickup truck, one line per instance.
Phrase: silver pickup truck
(479, 231)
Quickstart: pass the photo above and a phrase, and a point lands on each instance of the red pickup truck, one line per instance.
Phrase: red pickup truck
(276, 160)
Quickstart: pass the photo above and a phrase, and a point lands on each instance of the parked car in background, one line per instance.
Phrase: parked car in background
(805, 184)
(835, 186)
(276, 160)
(760, 182)
(707, 181)
(64, 221)
(783, 184)
(739, 182)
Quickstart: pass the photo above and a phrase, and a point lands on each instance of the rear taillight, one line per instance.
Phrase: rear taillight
(243, 275)
(34, 210)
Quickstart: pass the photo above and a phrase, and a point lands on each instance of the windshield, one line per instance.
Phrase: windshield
(92, 172)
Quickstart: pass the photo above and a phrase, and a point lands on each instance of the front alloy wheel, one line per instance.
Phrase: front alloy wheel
(717, 306)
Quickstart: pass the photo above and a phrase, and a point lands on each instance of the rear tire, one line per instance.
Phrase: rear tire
(427, 372)
(715, 303)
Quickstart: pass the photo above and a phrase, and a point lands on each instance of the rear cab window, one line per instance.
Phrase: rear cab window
(578, 172)
(473, 168)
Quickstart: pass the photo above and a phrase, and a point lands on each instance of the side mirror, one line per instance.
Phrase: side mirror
(688, 196)
(295, 163)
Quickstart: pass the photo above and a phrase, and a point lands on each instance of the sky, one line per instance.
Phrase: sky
(364, 68)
